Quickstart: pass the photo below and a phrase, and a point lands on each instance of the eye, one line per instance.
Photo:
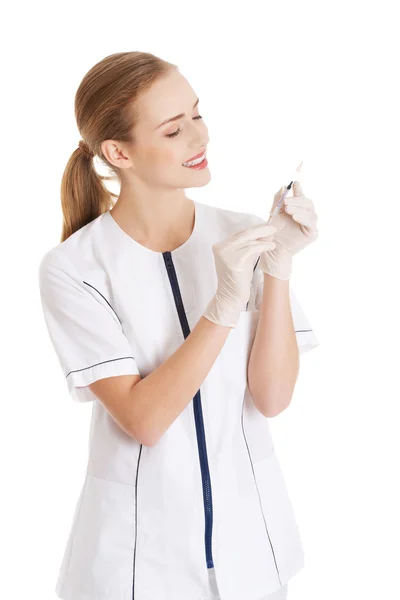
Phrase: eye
(170, 135)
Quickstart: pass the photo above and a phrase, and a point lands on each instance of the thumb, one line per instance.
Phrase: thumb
(297, 189)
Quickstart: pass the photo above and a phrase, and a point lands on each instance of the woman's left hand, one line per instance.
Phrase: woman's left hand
(296, 224)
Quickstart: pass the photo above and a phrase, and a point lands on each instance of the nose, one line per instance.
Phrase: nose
(200, 138)
(200, 143)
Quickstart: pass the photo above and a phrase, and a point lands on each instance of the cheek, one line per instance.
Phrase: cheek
(161, 157)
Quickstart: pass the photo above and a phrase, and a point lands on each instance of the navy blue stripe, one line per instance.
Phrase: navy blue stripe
(104, 298)
(136, 521)
(198, 415)
(100, 363)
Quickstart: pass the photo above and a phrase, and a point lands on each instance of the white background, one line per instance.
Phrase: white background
(278, 82)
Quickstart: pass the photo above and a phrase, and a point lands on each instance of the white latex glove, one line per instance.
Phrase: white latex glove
(296, 224)
(234, 258)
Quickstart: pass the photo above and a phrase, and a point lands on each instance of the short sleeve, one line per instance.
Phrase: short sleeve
(305, 335)
(84, 329)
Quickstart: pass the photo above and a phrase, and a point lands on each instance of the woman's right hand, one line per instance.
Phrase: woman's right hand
(234, 258)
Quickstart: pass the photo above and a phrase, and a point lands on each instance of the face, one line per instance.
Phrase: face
(160, 148)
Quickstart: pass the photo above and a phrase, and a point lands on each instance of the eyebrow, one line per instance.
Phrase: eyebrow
(177, 116)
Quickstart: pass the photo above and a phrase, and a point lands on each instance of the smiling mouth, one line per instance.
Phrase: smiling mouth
(196, 161)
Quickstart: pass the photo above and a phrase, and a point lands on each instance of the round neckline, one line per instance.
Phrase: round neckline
(139, 246)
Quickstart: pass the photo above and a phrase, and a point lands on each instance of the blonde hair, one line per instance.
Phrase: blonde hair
(104, 109)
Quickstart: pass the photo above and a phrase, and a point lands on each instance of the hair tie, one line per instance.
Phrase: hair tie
(85, 149)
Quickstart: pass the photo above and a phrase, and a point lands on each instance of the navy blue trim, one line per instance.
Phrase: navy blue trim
(100, 363)
(198, 415)
(252, 468)
(259, 498)
(136, 520)
(104, 298)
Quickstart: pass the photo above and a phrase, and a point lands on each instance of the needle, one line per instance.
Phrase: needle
(285, 193)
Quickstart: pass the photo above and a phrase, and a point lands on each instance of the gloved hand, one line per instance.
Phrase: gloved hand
(296, 228)
(234, 258)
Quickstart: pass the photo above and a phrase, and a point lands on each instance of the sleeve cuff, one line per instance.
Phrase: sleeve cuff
(79, 380)
(306, 340)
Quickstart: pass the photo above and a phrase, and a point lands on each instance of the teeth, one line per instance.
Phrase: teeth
(195, 162)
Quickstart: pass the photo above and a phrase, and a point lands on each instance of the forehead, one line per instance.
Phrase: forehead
(167, 97)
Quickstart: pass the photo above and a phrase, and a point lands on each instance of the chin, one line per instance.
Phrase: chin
(198, 179)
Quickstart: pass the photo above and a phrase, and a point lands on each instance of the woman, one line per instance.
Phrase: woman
(154, 305)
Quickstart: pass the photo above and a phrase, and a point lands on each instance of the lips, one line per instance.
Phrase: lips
(194, 157)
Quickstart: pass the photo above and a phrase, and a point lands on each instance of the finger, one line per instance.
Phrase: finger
(283, 191)
(254, 232)
(299, 201)
(310, 231)
(279, 220)
(297, 189)
(294, 210)
(253, 250)
(279, 193)
(304, 217)
(262, 240)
